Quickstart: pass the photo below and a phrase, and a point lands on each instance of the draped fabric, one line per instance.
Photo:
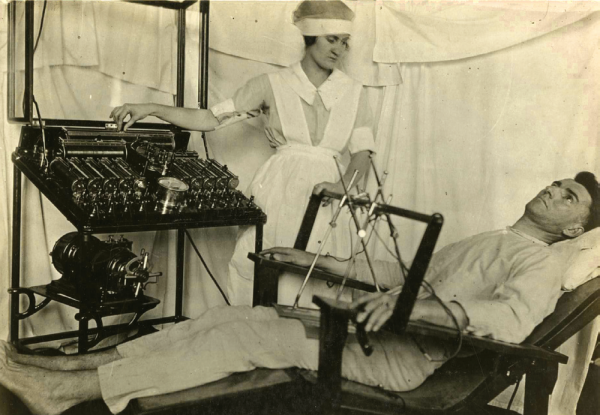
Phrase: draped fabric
(67, 39)
(475, 138)
(435, 32)
(478, 105)
(388, 32)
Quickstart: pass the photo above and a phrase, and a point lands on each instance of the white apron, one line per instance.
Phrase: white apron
(283, 185)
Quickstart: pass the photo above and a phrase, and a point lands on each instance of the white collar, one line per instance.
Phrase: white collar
(331, 91)
(526, 236)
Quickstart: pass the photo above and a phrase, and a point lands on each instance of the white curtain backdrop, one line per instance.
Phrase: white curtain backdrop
(478, 105)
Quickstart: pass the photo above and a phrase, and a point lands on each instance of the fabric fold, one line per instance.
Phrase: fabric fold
(442, 32)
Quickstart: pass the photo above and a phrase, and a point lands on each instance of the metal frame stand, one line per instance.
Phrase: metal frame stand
(85, 311)
(95, 312)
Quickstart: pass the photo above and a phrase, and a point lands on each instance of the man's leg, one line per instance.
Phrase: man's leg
(75, 362)
(210, 355)
(221, 342)
(161, 340)
(167, 338)
(250, 341)
(46, 391)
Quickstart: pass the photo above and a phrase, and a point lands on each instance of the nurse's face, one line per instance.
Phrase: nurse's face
(327, 50)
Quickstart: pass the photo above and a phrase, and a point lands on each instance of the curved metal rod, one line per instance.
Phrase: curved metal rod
(136, 317)
(33, 307)
(99, 327)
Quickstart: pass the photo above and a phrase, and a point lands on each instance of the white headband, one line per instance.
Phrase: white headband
(322, 27)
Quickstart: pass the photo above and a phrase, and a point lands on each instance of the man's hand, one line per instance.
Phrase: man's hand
(291, 255)
(376, 309)
(135, 112)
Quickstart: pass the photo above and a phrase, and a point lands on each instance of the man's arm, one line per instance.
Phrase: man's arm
(520, 303)
(377, 308)
(430, 311)
(305, 259)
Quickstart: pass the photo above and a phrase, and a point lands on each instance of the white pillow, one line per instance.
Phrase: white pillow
(583, 255)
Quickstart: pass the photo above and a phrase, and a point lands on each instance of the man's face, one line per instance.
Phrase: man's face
(563, 205)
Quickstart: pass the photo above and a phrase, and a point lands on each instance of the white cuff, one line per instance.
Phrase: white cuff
(361, 140)
(223, 108)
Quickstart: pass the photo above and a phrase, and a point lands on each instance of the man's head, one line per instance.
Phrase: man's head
(567, 208)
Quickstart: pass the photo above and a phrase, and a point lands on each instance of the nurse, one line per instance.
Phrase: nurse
(314, 113)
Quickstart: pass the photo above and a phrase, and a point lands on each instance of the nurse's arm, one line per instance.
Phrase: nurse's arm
(358, 161)
(186, 118)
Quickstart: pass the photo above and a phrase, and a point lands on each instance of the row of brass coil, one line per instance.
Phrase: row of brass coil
(101, 185)
(108, 185)
(211, 185)
(97, 176)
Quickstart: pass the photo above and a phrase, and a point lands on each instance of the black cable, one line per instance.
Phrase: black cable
(203, 135)
(352, 257)
(452, 316)
(39, 116)
(403, 266)
(35, 48)
(351, 244)
(512, 397)
(426, 284)
(41, 26)
(206, 267)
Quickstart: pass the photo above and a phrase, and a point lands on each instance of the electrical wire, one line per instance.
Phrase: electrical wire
(350, 265)
(451, 315)
(206, 267)
(403, 266)
(398, 255)
(44, 162)
(37, 41)
(512, 397)
(424, 283)
(351, 236)
(41, 26)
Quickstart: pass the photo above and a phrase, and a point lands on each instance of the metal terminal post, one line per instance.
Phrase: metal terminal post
(362, 240)
(393, 232)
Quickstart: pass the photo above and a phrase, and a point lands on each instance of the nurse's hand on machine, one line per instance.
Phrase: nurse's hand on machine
(330, 187)
(135, 112)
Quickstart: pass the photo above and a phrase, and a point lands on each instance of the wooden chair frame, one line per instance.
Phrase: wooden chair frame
(506, 363)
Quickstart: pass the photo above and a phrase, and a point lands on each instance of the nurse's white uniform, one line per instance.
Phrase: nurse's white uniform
(308, 126)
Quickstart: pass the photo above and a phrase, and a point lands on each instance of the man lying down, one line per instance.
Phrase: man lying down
(499, 284)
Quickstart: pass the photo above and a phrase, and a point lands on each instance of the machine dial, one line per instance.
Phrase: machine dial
(173, 184)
